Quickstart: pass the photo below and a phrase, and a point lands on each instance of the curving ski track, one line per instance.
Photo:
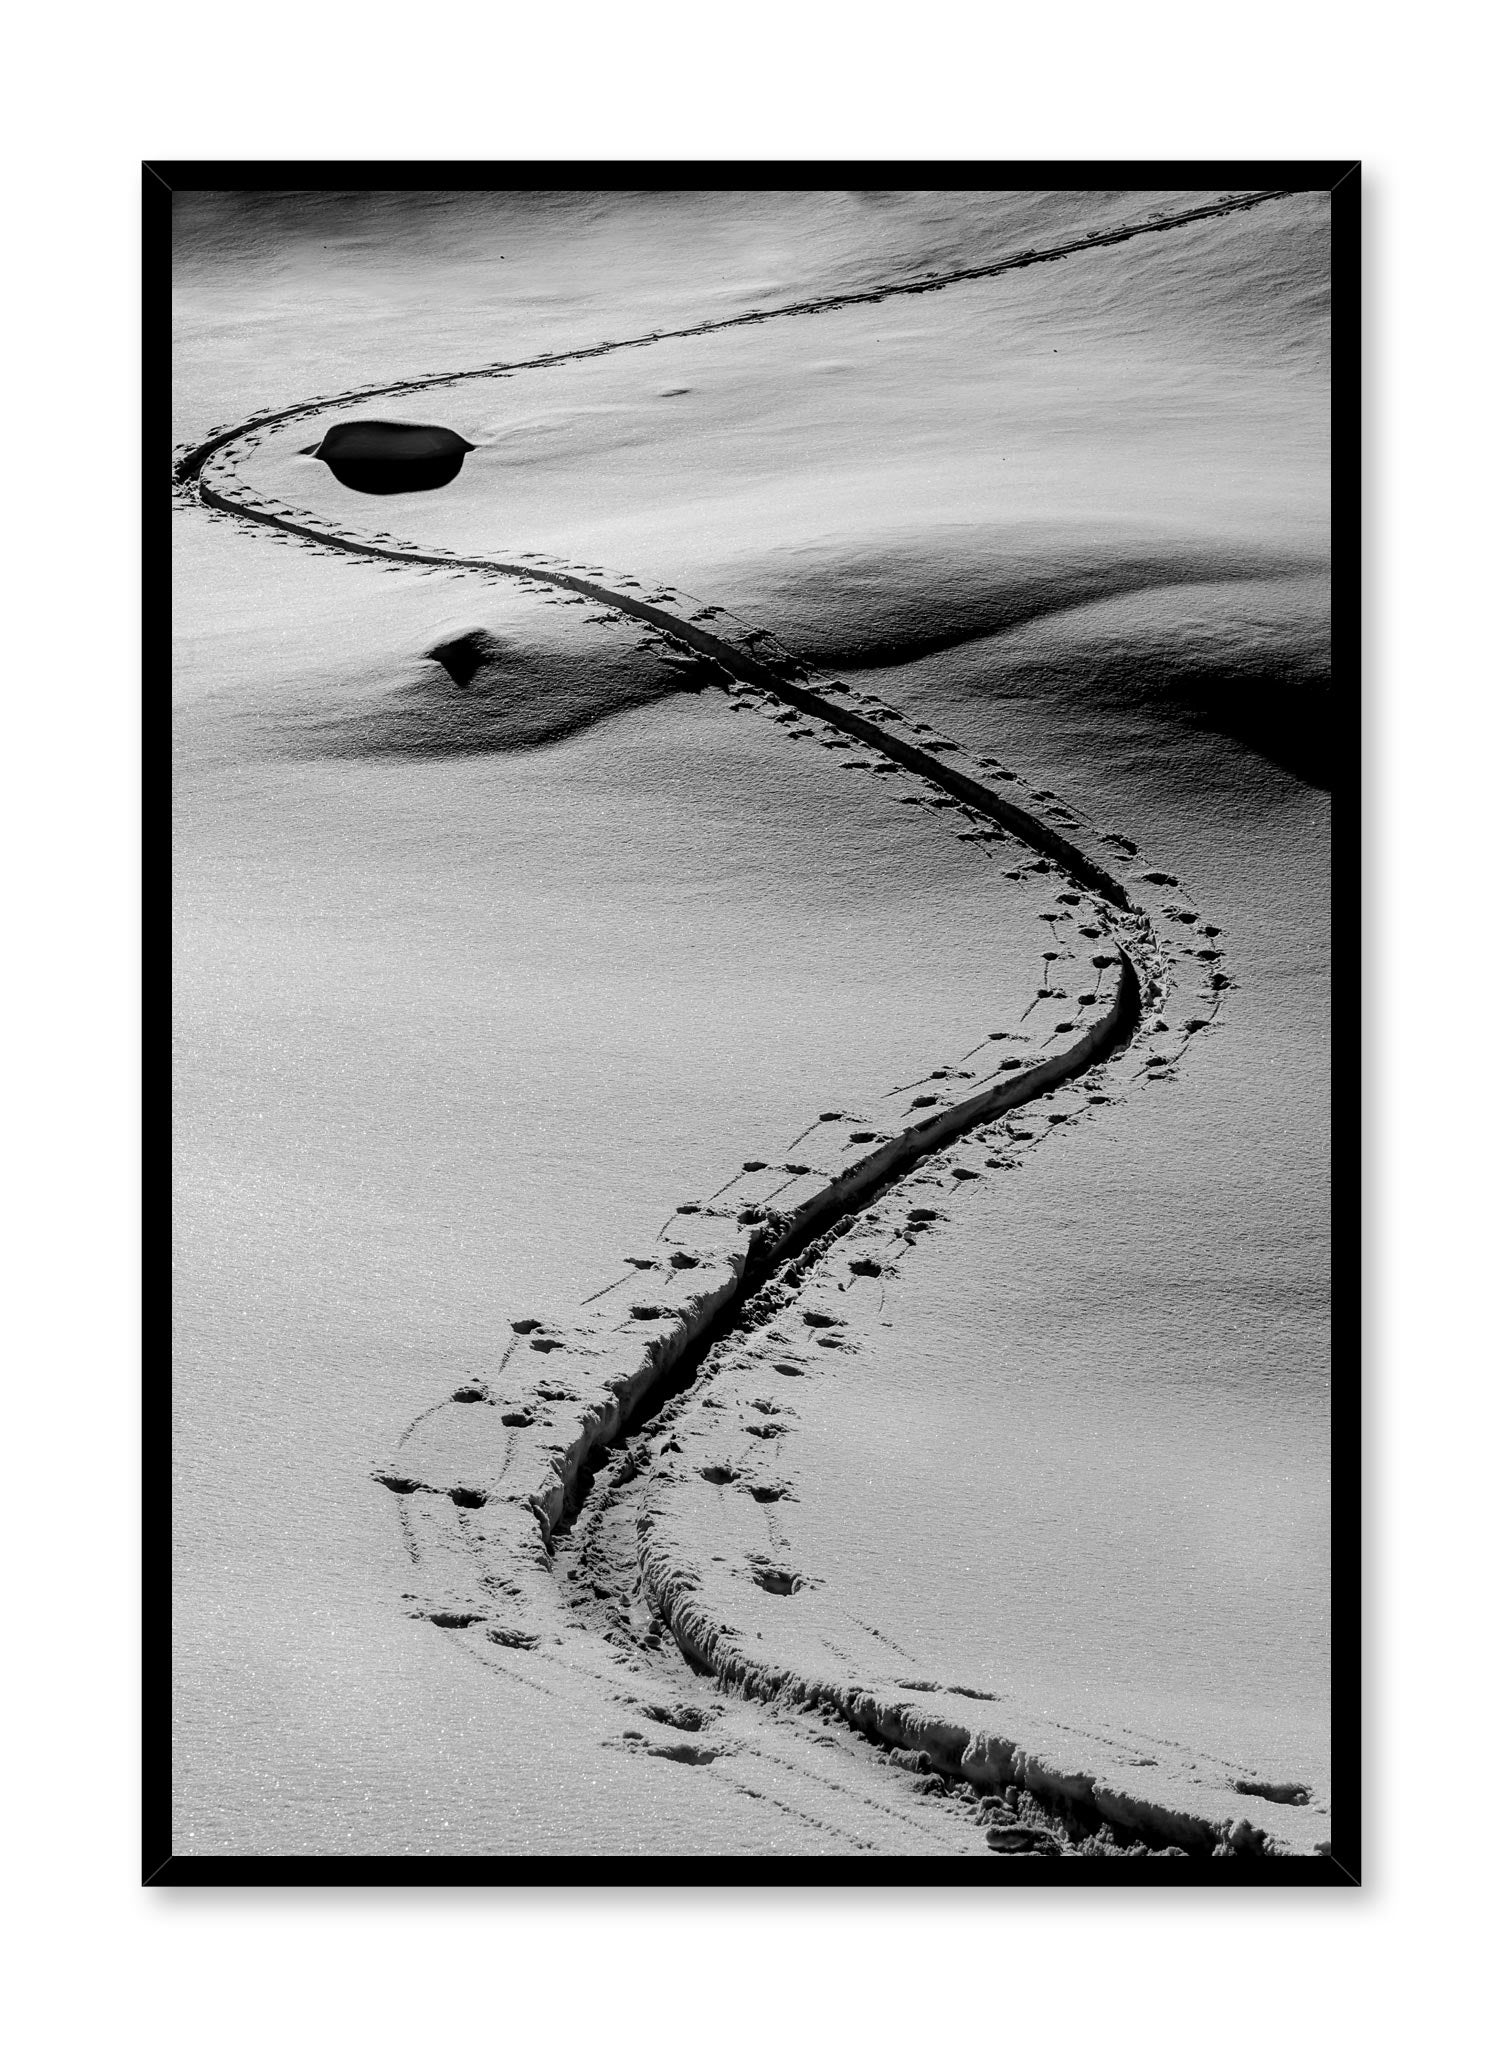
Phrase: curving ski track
(492, 1480)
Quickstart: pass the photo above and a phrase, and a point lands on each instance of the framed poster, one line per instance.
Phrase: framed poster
(759, 755)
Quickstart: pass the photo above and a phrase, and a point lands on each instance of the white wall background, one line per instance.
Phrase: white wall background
(93, 91)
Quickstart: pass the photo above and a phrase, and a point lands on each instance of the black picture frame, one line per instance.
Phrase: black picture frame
(161, 1866)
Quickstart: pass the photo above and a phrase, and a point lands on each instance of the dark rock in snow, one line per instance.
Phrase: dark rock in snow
(383, 457)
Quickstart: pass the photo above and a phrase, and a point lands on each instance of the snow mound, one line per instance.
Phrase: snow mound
(1222, 634)
(488, 687)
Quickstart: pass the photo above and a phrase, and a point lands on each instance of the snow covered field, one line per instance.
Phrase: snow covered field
(478, 983)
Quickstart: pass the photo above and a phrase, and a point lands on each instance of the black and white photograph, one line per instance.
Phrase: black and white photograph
(758, 754)
(753, 1176)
